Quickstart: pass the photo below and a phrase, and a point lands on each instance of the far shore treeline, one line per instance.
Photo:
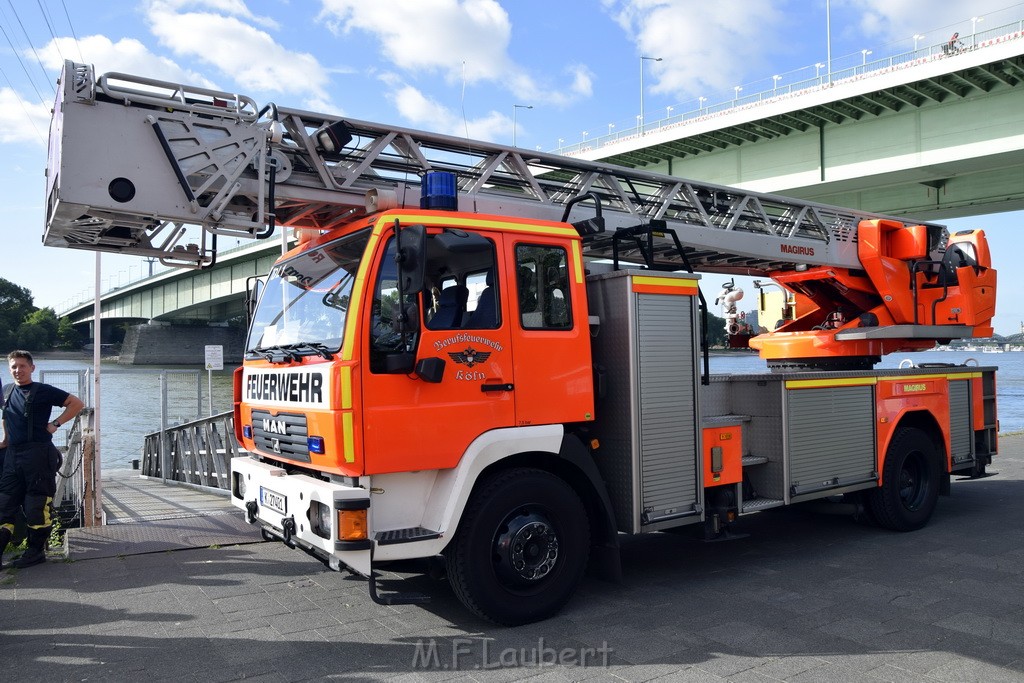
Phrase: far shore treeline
(24, 326)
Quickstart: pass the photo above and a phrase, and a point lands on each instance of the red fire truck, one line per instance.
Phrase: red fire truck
(495, 356)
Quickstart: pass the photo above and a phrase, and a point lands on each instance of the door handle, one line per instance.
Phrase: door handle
(496, 387)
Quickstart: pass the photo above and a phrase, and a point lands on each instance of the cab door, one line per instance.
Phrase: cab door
(413, 424)
(550, 332)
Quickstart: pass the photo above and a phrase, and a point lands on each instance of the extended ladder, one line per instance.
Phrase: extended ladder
(152, 168)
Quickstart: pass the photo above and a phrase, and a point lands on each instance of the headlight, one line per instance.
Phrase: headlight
(320, 519)
(239, 485)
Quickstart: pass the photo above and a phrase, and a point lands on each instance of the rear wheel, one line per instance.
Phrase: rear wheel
(910, 482)
(521, 547)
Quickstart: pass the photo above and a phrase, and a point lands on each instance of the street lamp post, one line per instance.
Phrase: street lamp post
(917, 37)
(640, 125)
(515, 109)
(700, 103)
(585, 136)
(864, 57)
(610, 126)
(736, 96)
(775, 83)
(828, 40)
(668, 112)
(974, 30)
(560, 141)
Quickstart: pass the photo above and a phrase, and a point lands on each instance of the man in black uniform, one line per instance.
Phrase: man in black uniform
(30, 466)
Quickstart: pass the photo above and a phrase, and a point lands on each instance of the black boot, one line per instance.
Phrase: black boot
(36, 553)
(5, 537)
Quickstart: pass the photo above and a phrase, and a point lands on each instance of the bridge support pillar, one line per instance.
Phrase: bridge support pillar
(164, 344)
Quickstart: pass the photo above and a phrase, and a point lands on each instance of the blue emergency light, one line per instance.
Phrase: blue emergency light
(439, 191)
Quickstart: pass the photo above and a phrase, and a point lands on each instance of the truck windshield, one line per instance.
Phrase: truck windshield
(305, 302)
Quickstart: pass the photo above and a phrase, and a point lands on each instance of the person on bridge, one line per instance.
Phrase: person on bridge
(29, 477)
(952, 46)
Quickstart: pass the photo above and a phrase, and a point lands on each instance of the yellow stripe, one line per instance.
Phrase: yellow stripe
(475, 222)
(346, 387)
(838, 382)
(348, 348)
(577, 262)
(951, 376)
(349, 437)
(664, 282)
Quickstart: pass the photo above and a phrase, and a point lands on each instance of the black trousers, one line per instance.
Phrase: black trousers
(29, 480)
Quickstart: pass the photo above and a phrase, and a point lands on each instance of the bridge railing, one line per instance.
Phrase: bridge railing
(197, 452)
(804, 80)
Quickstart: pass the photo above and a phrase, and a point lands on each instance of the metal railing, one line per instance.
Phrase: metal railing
(197, 452)
(75, 478)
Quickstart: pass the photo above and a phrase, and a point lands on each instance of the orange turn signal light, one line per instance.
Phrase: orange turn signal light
(351, 525)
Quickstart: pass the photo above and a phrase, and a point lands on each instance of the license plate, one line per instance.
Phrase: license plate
(273, 500)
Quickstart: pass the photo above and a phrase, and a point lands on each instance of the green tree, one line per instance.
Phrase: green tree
(33, 337)
(67, 336)
(15, 306)
(46, 319)
(716, 331)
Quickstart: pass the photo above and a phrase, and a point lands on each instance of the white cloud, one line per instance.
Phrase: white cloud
(126, 55)
(250, 56)
(236, 8)
(22, 121)
(901, 19)
(703, 46)
(463, 40)
(429, 114)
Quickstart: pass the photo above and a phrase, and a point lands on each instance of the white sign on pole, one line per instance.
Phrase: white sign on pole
(214, 361)
(214, 357)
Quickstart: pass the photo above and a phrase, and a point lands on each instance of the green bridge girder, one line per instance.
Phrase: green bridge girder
(942, 137)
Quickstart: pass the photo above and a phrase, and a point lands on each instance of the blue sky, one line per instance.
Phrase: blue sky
(451, 66)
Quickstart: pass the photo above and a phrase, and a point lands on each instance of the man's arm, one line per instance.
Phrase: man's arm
(72, 406)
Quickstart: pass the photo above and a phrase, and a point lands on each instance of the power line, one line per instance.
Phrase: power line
(33, 47)
(78, 45)
(21, 101)
(23, 67)
(49, 26)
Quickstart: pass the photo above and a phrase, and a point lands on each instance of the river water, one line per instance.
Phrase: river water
(130, 395)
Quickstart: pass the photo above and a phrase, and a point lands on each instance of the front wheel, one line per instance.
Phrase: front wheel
(521, 547)
(910, 482)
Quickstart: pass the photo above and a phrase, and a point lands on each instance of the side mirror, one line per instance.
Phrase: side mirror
(412, 258)
(253, 288)
(409, 321)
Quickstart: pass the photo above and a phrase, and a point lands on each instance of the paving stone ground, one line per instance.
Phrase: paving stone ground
(807, 597)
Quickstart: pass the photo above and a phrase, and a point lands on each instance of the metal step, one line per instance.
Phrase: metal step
(405, 535)
(761, 504)
(752, 460)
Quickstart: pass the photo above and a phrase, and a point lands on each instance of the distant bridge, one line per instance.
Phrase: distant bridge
(931, 133)
(214, 294)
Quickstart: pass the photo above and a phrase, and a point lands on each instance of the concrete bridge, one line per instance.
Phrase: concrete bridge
(932, 133)
(180, 311)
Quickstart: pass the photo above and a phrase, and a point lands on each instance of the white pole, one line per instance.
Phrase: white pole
(828, 39)
(96, 347)
(209, 388)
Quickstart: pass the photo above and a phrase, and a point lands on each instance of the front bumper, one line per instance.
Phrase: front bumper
(280, 503)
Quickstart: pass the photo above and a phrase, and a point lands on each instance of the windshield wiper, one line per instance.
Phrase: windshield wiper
(276, 354)
(319, 349)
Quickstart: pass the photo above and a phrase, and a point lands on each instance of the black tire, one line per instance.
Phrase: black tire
(910, 482)
(521, 547)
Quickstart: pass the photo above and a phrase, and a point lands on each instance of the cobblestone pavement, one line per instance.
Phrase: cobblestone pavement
(807, 597)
